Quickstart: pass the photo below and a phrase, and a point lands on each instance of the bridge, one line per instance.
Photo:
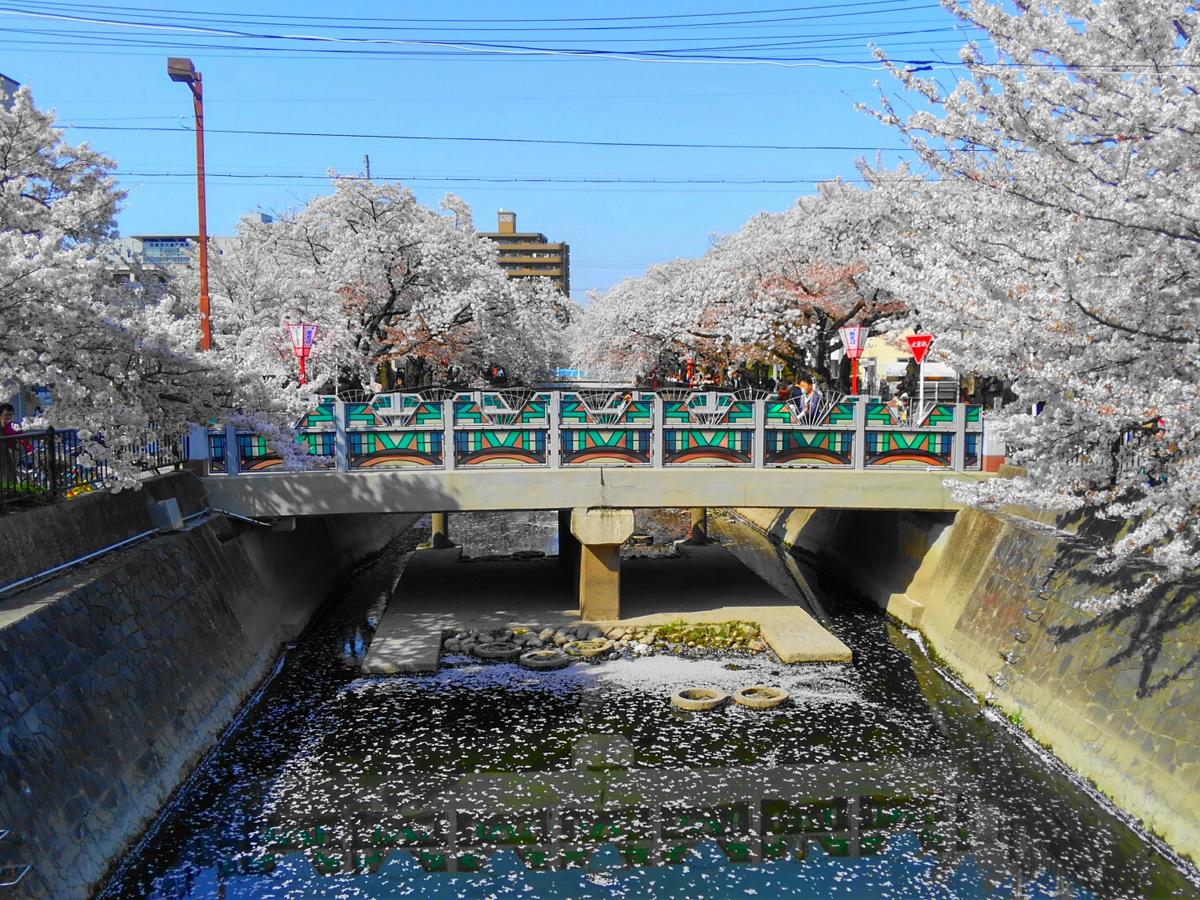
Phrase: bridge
(596, 456)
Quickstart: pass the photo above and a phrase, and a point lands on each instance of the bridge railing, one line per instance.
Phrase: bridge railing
(575, 429)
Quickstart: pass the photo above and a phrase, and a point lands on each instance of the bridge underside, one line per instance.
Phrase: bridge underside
(466, 490)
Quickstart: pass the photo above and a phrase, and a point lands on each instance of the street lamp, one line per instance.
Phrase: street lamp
(181, 69)
(854, 341)
(302, 334)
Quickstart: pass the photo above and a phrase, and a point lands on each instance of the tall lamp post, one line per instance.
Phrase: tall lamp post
(302, 334)
(181, 69)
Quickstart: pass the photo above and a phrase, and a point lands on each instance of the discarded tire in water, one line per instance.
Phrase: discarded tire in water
(498, 650)
(588, 649)
(759, 696)
(544, 659)
(698, 699)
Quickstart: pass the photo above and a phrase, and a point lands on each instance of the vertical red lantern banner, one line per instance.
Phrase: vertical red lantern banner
(854, 342)
(302, 335)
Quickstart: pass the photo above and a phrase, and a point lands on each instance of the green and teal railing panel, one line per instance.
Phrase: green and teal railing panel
(708, 446)
(500, 447)
(394, 449)
(323, 416)
(468, 412)
(675, 412)
(909, 448)
(502, 408)
(255, 454)
(971, 458)
(217, 460)
(611, 446)
(739, 412)
(832, 411)
(938, 414)
(408, 410)
(794, 446)
(617, 428)
(606, 408)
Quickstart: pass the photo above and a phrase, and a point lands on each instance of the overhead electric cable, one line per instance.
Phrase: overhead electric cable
(486, 140)
(487, 179)
(839, 10)
(463, 46)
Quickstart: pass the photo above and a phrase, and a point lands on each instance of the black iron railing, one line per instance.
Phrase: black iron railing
(45, 466)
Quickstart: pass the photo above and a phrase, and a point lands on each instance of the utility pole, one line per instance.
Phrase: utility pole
(367, 164)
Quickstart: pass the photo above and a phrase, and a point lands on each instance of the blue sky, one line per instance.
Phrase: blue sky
(114, 76)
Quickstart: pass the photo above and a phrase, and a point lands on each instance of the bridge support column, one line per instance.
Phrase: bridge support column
(698, 529)
(601, 533)
(439, 531)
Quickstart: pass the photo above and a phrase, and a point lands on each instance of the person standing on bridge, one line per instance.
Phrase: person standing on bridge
(808, 398)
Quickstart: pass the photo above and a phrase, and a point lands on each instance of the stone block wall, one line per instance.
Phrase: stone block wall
(1003, 600)
(37, 539)
(116, 678)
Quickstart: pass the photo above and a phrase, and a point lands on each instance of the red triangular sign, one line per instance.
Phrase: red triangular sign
(919, 343)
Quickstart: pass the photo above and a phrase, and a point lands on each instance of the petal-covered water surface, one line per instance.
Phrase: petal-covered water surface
(875, 779)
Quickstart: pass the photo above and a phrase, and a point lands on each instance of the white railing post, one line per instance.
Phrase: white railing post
(958, 450)
(554, 435)
(758, 452)
(232, 461)
(657, 433)
(341, 441)
(199, 455)
(448, 433)
(858, 453)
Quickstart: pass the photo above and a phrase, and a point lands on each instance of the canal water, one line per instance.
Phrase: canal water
(877, 779)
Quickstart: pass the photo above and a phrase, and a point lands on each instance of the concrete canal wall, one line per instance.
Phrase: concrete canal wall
(1002, 601)
(116, 677)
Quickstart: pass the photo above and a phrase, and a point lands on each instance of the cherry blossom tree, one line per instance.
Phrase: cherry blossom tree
(776, 290)
(1058, 241)
(115, 360)
(387, 280)
(798, 276)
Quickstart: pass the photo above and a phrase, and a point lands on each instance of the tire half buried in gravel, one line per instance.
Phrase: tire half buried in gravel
(698, 699)
(499, 650)
(588, 649)
(544, 659)
(759, 696)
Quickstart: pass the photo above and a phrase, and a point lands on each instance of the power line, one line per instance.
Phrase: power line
(491, 140)
(489, 179)
(547, 189)
(873, 7)
(462, 46)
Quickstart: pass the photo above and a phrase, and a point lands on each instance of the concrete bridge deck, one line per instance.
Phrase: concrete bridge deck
(476, 490)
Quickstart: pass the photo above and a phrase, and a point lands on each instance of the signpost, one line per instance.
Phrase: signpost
(854, 341)
(919, 344)
(302, 334)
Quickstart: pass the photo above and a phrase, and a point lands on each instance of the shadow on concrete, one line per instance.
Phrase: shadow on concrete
(1151, 629)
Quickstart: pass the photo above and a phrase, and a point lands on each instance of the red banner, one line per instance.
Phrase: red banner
(920, 346)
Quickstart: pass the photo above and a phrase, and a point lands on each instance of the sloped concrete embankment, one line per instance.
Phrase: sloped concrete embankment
(116, 677)
(1003, 602)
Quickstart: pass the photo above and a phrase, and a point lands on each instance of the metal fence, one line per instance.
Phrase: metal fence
(573, 429)
(46, 466)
